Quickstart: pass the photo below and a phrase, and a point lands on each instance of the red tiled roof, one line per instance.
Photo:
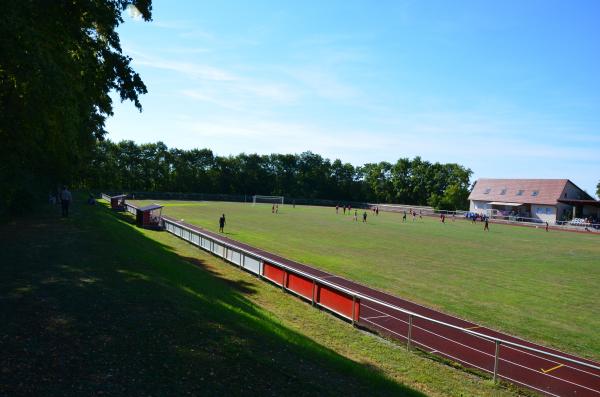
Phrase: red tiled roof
(549, 190)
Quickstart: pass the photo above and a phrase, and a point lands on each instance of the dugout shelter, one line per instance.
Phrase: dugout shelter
(149, 216)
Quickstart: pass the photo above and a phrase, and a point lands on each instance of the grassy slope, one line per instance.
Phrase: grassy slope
(92, 305)
(537, 285)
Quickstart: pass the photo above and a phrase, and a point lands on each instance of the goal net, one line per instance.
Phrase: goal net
(267, 199)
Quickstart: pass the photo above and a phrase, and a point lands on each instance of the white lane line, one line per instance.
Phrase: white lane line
(368, 318)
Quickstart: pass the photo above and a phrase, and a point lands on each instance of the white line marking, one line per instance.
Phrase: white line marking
(367, 318)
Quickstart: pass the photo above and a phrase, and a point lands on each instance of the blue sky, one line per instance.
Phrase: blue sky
(508, 89)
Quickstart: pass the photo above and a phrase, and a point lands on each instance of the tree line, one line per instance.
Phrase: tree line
(127, 166)
(59, 61)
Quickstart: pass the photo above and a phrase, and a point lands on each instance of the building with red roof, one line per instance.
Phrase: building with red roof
(546, 200)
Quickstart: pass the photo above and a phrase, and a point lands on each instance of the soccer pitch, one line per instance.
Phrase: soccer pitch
(542, 286)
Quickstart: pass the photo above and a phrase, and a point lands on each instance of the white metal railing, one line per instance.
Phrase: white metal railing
(357, 295)
(106, 197)
(132, 209)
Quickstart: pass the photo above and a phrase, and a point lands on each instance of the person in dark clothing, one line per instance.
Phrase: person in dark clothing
(486, 226)
(364, 216)
(222, 223)
(65, 200)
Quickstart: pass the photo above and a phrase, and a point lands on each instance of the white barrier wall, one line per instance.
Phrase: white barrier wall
(207, 243)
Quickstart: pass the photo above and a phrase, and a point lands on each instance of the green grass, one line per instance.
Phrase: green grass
(92, 305)
(542, 286)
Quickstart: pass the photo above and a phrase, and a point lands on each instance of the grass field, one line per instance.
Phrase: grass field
(92, 305)
(542, 286)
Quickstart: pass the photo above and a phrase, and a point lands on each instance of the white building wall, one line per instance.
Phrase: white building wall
(546, 213)
(479, 206)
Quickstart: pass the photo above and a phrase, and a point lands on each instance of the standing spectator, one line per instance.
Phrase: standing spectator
(222, 223)
(65, 201)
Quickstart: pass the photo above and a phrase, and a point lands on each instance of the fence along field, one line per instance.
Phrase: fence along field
(225, 252)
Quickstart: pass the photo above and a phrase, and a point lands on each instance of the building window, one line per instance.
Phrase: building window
(535, 193)
(487, 191)
(503, 192)
(520, 192)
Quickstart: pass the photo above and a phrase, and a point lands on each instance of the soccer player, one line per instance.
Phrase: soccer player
(404, 216)
(486, 227)
(273, 209)
(222, 223)
(277, 208)
(355, 215)
(337, 208)
(414, 215)
(546, 226)
(377, 210)
(365, 217)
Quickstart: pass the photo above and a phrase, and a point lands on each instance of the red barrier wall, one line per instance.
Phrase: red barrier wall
(273, 273)
(337, 301)
(300, 285)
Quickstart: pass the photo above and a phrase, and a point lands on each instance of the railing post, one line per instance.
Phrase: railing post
(496, 356)
(409, 335)
(283, 280)
(353, 308)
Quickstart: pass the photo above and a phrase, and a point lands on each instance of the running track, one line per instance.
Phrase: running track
(546, 375)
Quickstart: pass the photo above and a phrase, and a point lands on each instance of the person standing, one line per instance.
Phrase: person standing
(355, 215)
(486, 227)
(404, 216)
(546, 226)
(337, 208)
(365, 217)
(65, 201)
(222, 223)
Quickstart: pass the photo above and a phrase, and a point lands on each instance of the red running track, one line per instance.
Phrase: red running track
(550, 376)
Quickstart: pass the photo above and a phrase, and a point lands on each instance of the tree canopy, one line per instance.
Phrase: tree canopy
(59, 62)
(130, 167)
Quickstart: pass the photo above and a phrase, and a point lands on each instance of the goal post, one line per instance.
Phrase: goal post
(258, 199)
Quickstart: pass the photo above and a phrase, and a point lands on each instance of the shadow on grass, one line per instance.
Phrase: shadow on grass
(90, 305)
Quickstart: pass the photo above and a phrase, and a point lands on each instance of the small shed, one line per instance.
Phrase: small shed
(149, 216)
(118, 202)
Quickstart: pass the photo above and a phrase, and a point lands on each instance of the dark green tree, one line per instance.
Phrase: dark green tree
(59, 60)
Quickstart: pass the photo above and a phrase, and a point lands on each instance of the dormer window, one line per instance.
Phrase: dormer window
(487, 191)
(535, 193)
(520, 192)
(503, 192)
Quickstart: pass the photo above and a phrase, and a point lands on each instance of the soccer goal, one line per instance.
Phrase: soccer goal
(267, 199)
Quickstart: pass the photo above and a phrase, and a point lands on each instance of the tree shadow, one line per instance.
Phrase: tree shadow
(94, 306)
